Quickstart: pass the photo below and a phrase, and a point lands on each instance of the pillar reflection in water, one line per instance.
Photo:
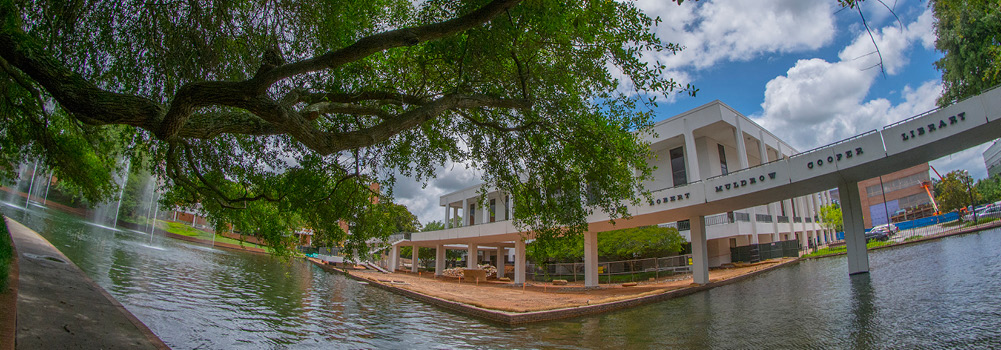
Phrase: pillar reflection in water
(864, 312)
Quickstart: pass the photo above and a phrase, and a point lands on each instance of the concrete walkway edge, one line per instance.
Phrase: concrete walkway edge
(60, 307)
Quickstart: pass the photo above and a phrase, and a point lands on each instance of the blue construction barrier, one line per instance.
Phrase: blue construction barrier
(928, 221)
(922, 222)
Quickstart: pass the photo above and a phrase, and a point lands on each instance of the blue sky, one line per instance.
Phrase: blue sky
(801, 68)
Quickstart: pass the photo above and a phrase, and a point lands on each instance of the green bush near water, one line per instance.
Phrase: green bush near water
(842, 249)
(185, 230)
(6, 255)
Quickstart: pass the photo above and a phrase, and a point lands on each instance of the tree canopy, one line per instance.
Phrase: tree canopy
(969, 34)
(624, 244)
(956, 191)
(278, 115)
(831, 217)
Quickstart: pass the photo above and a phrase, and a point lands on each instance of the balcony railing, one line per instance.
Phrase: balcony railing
(797, 219)
(763, 217)
(783, 219)
(718, 219)
(745, 217)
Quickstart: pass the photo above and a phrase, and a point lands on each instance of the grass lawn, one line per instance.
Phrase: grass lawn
(185, 230)
(6, 255)
(842, 249)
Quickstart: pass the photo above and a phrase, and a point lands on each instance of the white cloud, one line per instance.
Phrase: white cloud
(423, 201)
(740, 30)
(972, 160)
(819, 102)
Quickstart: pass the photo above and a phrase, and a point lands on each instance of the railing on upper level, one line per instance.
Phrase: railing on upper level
(744, 217)
(763, 217)
(797, 219)
(783, 219)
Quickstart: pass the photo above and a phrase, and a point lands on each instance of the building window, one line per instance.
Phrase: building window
(472, 214)
(678, 166)
(493, 210)
(733, 243)
(722, 159)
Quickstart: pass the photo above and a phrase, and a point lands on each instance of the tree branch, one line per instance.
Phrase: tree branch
(390, 127)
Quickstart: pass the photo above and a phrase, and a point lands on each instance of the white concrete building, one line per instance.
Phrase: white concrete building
(696, 181)
(706, 142)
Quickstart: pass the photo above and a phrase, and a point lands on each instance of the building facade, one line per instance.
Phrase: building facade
(706, 142)
(897, 196)
(992, 159)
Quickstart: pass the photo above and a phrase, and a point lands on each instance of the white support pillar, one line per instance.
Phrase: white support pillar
(590, 259)
(798, 211)
(486, 210)
(753, 217)
(414, 259)
(519, 261)
(738, 134)
(439, 260)
(691, 156)
(775, 221)
(465, 212)
(471, 256)
(787, 207)
(448, 223)
(851, 212)
(500, 261)
(510, 207)
(501, 206)
(700, 254)
(394, 258)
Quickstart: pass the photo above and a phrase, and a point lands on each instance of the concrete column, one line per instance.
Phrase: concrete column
(590, 259)
(510, 207)
(500, 262)
(465, 212)
(753, 216)
(448, 224)
(700, 253)
(762, 147)
(414, 260)
(501, 207)
(394, 258)
(775, 221)
(519, 261)
(691, 156)
(439, 260)
(486, 211)
(741, 146)
(471, 256)
(787, 207)
(851, 212)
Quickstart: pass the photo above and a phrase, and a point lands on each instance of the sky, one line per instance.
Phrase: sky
(808, 71)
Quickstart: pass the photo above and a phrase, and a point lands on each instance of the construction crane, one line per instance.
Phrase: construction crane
(927, 186)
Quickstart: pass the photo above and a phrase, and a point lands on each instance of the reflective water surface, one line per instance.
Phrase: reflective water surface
(942, 294)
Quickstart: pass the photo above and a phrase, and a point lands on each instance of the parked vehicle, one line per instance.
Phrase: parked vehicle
(889, 229)
(990, 210)
(873, 234)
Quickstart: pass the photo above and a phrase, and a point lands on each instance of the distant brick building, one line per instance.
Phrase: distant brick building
(902, 193)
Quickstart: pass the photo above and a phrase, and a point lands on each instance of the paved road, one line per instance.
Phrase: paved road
(59, 307)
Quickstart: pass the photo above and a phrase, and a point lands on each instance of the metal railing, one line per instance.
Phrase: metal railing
(783, 219)
(745, 217)
(763, 217)
(613, 271)
(809, 219)
(719, 219)
(797, 219)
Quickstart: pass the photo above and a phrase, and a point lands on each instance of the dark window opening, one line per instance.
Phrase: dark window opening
(678, 166)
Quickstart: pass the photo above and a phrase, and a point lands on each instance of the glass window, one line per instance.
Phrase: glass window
(678, 172)
(493, 210)
(722, 159)
(472, 214)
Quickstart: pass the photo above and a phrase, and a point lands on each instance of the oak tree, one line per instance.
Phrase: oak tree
(277, 115)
